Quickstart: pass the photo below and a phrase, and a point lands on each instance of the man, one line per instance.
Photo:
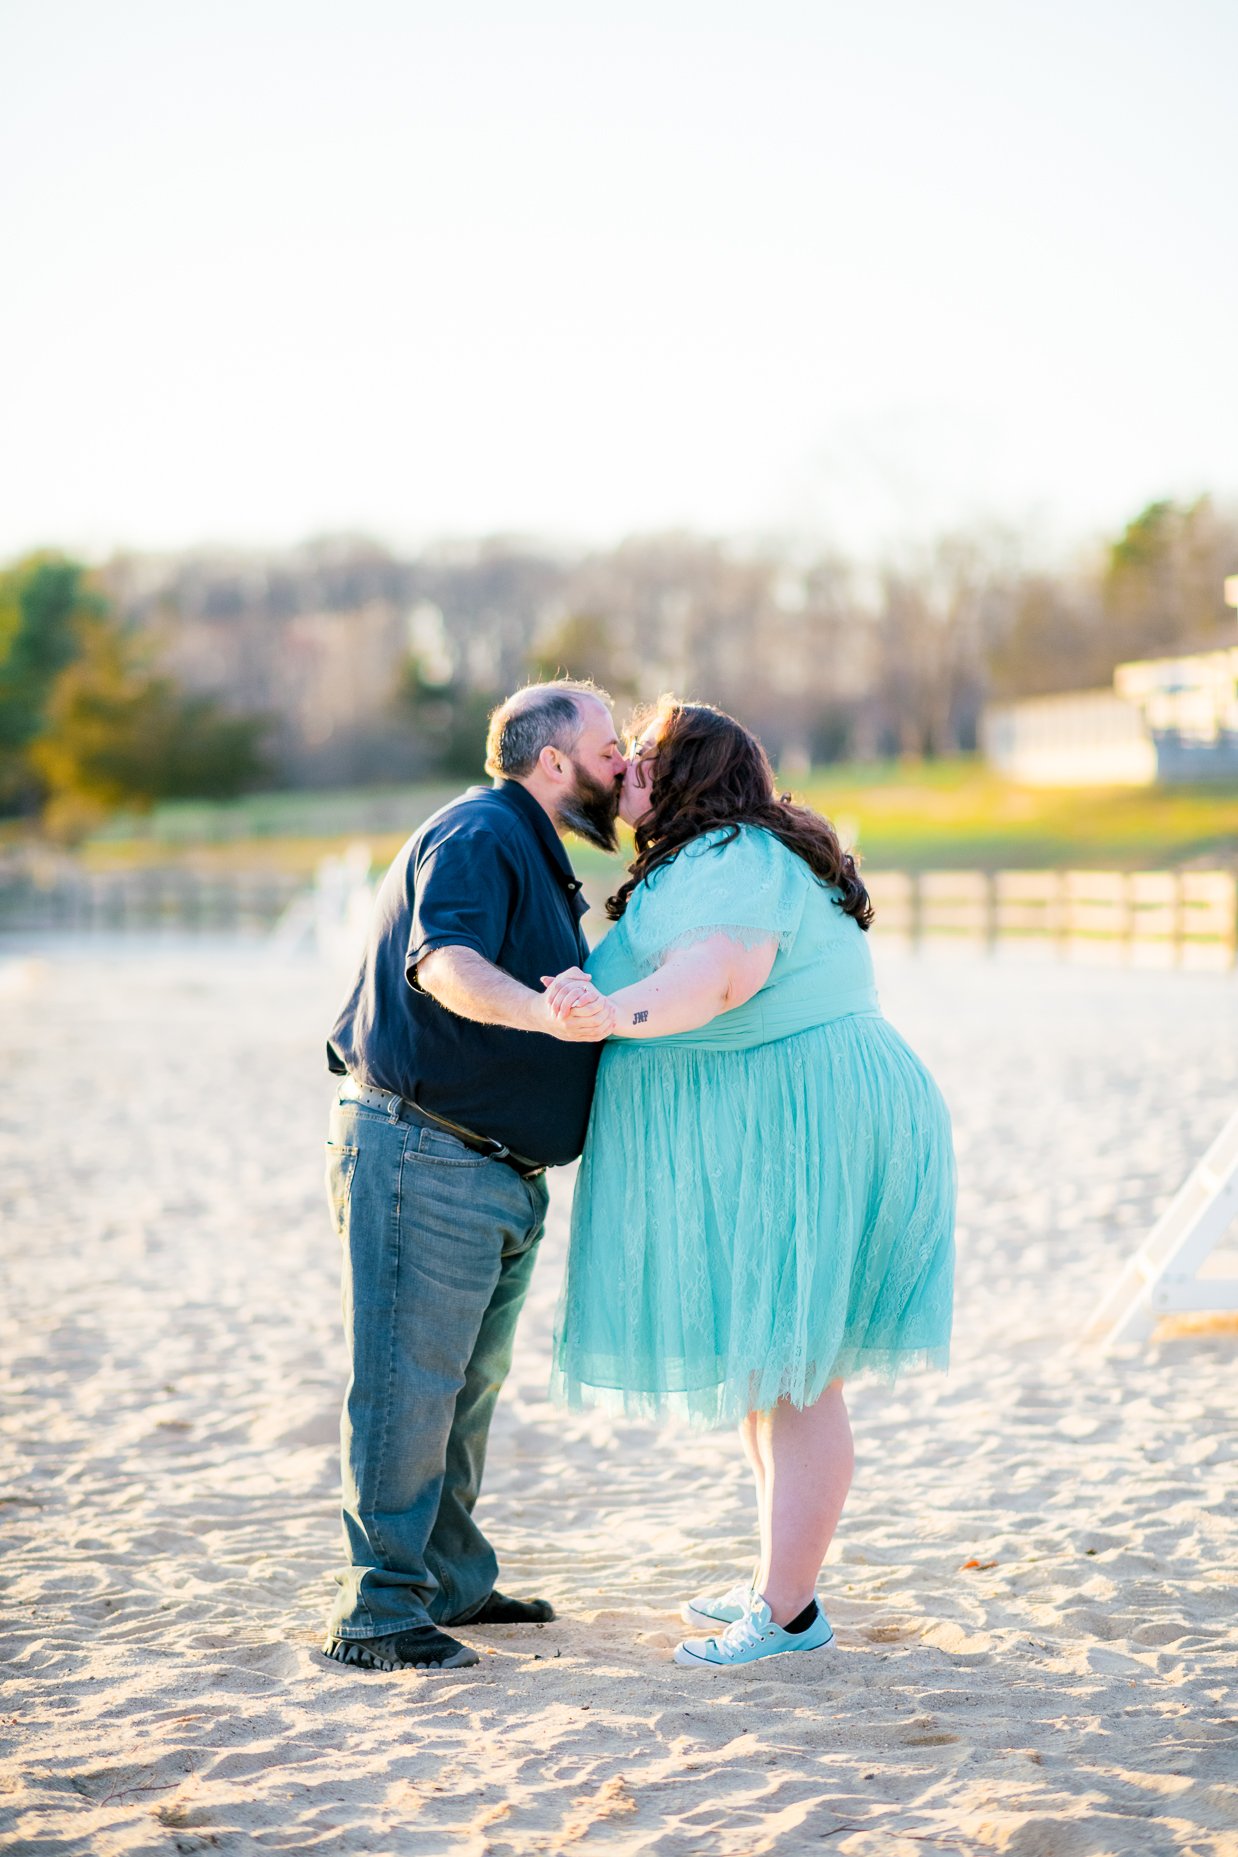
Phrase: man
(461, 1088)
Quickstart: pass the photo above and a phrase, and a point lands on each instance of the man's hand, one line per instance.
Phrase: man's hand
(577, 1011)
(572, 987)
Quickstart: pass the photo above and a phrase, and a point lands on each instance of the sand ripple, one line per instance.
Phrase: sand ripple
(172, 1367)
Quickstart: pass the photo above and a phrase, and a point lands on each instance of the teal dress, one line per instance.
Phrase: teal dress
(764, 1204)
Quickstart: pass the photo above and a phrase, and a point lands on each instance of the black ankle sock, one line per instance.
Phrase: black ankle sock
(804, 1619)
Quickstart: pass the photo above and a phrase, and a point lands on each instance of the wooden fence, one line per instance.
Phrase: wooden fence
(65, 899)
(1179, 916)
(1164, 917)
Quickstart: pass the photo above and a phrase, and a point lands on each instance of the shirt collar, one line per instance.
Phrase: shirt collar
(523, 802)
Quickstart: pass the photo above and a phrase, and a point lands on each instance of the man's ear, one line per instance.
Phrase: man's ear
(550, 762)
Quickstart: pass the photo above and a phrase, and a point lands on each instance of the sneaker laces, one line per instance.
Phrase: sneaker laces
(748, 1630)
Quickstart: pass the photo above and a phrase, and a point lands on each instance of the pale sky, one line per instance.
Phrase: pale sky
(850, 271)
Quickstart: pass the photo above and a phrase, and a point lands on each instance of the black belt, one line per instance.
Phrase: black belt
(403, 1110)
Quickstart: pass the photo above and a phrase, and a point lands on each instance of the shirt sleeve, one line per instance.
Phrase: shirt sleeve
(750, 888)
(462, 894)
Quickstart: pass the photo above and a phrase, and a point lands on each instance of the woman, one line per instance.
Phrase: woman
(766, 1200)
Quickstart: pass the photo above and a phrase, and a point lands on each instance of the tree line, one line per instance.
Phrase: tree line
(139, 681)
(831, 659)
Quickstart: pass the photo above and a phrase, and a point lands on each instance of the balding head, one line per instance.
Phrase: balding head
(542, 715)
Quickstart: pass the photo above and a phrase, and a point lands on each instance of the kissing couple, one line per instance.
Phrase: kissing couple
(765, 1201)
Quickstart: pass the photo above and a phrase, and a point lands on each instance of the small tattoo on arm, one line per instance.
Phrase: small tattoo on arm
(638, 1018)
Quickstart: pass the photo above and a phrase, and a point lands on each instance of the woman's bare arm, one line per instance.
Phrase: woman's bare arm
(692, 986)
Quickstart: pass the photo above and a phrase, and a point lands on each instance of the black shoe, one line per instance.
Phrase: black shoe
(500, 1610)
(423, 1647)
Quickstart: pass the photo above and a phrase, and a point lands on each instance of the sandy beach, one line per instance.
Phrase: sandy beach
(1034, 1583)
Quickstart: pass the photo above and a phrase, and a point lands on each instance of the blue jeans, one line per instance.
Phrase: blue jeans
(439, 1245)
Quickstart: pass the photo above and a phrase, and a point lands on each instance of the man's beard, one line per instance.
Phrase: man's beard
(592, 810)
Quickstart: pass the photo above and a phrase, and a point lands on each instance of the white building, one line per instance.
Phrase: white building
(1165, 720)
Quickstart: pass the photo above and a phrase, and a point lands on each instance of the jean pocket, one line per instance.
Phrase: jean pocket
(341, 1166)
(444, 1150)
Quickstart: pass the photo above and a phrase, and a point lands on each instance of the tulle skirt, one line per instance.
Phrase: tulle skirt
(751, 1224)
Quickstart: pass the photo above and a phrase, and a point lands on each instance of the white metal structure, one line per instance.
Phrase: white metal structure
(1163, 1276)
(333, 914)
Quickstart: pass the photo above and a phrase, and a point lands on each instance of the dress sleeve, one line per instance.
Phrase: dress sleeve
(749, 888)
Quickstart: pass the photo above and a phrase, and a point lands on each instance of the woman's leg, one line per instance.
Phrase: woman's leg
(807, 1458)
(748, 1436)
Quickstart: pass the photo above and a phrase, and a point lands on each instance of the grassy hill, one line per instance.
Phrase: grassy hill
(959, 815)
(935, 815)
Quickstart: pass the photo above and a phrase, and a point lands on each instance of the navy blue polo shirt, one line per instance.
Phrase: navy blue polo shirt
(488, 872)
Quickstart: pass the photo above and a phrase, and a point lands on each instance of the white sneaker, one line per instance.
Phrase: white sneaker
(753, 1636)
(710, 1609)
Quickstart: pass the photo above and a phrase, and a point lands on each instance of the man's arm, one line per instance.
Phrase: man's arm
(467, 984)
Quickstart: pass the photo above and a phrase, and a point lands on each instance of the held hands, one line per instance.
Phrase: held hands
(577, 1011)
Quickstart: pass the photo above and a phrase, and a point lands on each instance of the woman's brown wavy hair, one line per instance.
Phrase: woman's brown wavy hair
(709, 771)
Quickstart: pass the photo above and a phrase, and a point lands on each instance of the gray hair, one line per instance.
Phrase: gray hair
(542, 715)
